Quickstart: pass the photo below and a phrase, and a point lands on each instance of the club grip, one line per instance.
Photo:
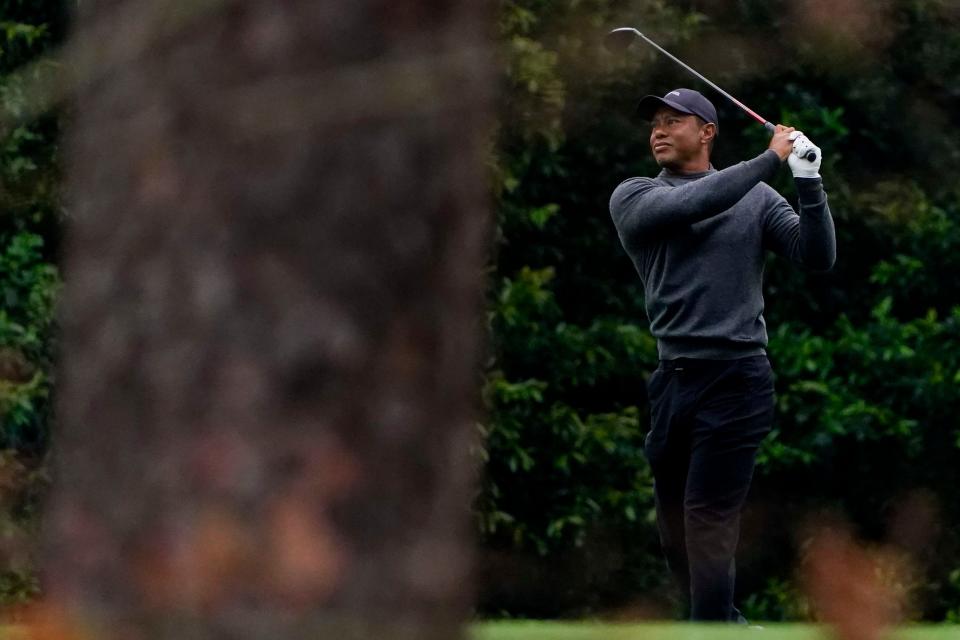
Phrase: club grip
(811, 155)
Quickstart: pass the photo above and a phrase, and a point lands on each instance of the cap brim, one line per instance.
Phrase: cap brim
(649, 105)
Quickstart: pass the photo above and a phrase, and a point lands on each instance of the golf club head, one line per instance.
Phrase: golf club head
(619, 39)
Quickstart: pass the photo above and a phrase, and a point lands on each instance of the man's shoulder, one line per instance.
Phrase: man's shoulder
(641, 180)
(638, 184)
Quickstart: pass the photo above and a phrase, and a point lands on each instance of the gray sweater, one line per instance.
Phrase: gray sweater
(698, 242)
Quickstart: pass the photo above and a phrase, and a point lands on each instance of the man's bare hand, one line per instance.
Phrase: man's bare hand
(781, 142)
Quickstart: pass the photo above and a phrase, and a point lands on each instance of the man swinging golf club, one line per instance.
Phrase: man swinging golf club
(697, 237)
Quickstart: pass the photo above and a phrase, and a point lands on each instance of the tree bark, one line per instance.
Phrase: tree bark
(271, 316)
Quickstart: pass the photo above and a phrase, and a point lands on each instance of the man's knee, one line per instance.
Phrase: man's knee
(711, 532)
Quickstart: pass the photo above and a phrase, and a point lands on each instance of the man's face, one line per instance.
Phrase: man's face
(676, 139)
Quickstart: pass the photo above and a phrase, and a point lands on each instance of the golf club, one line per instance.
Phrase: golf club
(621, 38)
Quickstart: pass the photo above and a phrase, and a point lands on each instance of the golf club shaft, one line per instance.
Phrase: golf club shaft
(729, 97)
(811, 156)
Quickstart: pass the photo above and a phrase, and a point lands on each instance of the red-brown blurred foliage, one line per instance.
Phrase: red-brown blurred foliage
(843, 581)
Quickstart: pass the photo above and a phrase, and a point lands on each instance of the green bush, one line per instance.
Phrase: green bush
(30, 231)
(28, 289)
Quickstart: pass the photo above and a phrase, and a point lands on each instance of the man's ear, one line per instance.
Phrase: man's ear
(708, 132)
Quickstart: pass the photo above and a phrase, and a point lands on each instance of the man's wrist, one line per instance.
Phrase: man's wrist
(809, 189)
(771, 161)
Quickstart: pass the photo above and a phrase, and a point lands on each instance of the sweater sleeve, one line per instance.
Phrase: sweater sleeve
(642, 208)
(808, 239)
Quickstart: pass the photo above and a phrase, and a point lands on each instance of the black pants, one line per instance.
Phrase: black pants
(708, 418)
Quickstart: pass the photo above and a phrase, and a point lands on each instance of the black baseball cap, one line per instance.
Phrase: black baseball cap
(683, 100)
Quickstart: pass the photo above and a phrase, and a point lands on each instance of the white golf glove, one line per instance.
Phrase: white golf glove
(799, 165)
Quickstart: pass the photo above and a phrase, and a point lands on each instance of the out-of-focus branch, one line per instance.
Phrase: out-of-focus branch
(116, 40)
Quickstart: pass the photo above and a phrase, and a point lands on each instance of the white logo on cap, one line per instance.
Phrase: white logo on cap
(674, 93)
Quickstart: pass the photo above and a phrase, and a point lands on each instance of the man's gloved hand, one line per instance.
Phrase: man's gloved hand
(799, 165)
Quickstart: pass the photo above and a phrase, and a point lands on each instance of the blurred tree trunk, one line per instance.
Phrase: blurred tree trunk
(273, 300)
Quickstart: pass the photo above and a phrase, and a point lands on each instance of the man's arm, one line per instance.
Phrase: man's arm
(641, 209)
(807, 239)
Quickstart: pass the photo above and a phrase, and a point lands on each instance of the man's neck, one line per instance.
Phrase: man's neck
(699, 165)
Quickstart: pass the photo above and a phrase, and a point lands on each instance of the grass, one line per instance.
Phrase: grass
(533, 630)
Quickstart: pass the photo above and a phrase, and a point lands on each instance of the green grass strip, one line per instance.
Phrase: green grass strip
(534, 630)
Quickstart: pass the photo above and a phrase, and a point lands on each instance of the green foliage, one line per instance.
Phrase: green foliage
(28, 289)
(953, 612)
(29, 226)
(867, 357)
(541, 440)
(18, 588)
(30, 229)
(780, 600)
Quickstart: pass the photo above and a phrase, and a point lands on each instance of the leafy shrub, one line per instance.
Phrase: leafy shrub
(30, 230)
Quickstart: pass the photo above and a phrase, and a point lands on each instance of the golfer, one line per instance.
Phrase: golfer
(697, 237)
